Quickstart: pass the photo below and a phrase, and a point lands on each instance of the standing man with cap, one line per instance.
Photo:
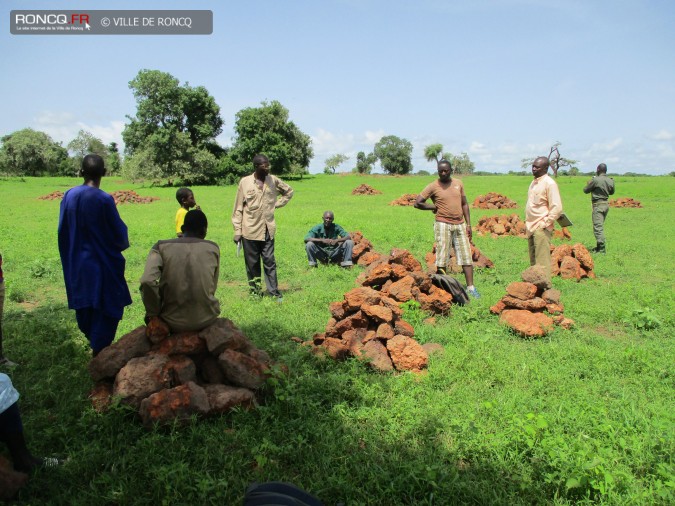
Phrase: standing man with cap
(600, 188)
(258, 195)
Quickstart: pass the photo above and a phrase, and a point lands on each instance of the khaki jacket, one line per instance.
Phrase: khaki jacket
(179, 283)
(254, 207)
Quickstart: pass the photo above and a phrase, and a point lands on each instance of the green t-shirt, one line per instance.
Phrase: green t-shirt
(320, 232)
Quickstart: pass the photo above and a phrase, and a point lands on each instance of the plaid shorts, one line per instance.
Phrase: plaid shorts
(454, 236)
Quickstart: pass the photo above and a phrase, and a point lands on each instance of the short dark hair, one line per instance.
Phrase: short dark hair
(195, 221)
(93, 167)
(258, 159)
(602, 168)
(182, 194)
(443, 160)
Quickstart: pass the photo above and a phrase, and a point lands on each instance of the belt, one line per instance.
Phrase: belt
(599, 202)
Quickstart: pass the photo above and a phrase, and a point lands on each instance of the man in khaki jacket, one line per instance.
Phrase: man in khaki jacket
(181, 276)
(258, 195)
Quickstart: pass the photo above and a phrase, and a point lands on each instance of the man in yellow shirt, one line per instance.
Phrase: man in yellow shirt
(258, 195)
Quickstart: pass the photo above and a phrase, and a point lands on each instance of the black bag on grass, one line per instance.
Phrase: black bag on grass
(277, 493)
(452, 286)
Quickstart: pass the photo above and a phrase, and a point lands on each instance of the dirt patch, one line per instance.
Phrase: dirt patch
(407, 199)
(493, 200)
(364, 189)
(625, 202)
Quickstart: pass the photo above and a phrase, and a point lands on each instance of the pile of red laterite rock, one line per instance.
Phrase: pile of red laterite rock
(130, 197)
(170, 377)
(530, 307)
(407, 199)
(364, 189)
(625, 202)
(480, 261)
(55, 195)
(368, 325)
(562, 233)
(493, 200)
(501, 225)
(571, 262)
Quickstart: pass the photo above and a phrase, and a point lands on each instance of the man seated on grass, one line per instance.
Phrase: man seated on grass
(180, 279)
(329, 242)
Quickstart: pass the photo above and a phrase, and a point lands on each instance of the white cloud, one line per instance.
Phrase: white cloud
(63, 127)
(663, 135)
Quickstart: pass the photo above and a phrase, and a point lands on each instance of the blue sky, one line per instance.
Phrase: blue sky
(500, 80)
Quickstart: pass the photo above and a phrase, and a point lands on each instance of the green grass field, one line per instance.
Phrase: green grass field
(582, 416)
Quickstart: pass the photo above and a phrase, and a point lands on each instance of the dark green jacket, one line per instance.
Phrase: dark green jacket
(320, 232)
(600, 188)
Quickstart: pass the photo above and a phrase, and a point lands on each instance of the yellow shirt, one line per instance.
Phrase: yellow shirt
(544, 204)
(180, 219)
(254, 206)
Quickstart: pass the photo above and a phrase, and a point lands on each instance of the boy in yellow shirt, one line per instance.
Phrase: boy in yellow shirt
(186, 199)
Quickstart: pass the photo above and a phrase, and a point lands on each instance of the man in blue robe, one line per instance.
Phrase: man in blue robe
(92, 237)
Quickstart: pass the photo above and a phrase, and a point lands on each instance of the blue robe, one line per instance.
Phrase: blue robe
(92, 237)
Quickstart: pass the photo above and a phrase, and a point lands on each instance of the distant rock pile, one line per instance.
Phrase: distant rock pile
(120, 197)
(364, 189)
(625, 202)
(480, 261)
(55, 195)
(571, 262)
(407, 199)
(530, 307)
(173, 376)
(130, 197)
(562, 233)
(501, 225)
(493, 200)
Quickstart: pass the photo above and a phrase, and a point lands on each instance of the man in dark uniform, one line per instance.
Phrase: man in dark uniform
(600, 188)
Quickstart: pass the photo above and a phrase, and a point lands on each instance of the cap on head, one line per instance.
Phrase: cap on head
(93, 167)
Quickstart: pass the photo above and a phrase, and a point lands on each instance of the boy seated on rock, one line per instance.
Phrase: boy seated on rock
(180, 279)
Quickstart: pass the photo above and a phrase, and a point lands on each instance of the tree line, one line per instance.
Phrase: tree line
(173, 134)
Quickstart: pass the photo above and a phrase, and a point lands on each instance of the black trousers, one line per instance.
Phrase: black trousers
(254, 251)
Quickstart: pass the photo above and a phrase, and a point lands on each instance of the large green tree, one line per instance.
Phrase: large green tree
(394, 154)
(267, 130)
(29, 152)
(173, 133)
(364, 162)
(85, 143)
(333, 162)
(461, 164)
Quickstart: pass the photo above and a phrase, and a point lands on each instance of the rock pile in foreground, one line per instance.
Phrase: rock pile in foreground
(407, 199)
(493, 200)
(530, 307)
(625, 202)
(501, 225)
(480, 261)
(571, 262)
(364, 189)
(368, 323)
(173, 376)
